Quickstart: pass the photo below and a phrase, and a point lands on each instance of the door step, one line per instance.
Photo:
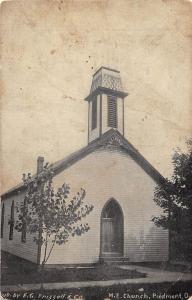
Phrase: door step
(114, 260)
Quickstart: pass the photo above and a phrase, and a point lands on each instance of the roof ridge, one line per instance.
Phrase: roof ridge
(106, 139)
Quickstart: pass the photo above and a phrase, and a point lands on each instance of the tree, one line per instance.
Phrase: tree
(50, 216)
(174, 196)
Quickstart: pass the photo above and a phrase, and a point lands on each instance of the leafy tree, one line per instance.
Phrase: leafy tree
(174, 196)
(49, 214)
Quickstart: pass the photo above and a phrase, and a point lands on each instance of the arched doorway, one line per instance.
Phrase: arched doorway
(112, 231)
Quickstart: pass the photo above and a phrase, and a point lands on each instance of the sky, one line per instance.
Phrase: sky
(50, 50)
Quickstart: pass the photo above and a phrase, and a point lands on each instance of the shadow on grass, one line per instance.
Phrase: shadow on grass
(99, 272)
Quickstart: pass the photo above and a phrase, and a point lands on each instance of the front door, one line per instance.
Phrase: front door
(111, 230)
(108, 236)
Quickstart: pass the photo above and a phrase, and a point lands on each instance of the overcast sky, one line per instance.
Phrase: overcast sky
(50, 49)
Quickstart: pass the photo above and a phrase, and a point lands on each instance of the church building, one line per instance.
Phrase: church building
(119, 183)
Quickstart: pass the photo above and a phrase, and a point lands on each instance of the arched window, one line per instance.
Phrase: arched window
(24, 225)
(2, 219)
(94, 113)
(11, 222)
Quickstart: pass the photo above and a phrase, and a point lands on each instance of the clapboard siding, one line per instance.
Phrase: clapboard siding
(105, 175)
(26, 250)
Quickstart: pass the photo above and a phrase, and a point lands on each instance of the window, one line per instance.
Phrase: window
(11, 222)
(24, 225)
(112, 111)
(23, 233)
(2, 219)
(94, 113)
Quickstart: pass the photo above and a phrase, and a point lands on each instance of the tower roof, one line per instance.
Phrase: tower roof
(107, 80)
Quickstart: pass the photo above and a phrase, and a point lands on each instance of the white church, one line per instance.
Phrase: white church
(118, 181)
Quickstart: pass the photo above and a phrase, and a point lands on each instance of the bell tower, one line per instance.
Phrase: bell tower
(105, 103)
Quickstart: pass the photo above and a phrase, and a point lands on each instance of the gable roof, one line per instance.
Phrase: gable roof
(111, 137)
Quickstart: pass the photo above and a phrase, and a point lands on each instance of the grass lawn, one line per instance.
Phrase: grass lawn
(16, 271)
(99, 272)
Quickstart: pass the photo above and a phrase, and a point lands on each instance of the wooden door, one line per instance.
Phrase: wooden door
(108, 235)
